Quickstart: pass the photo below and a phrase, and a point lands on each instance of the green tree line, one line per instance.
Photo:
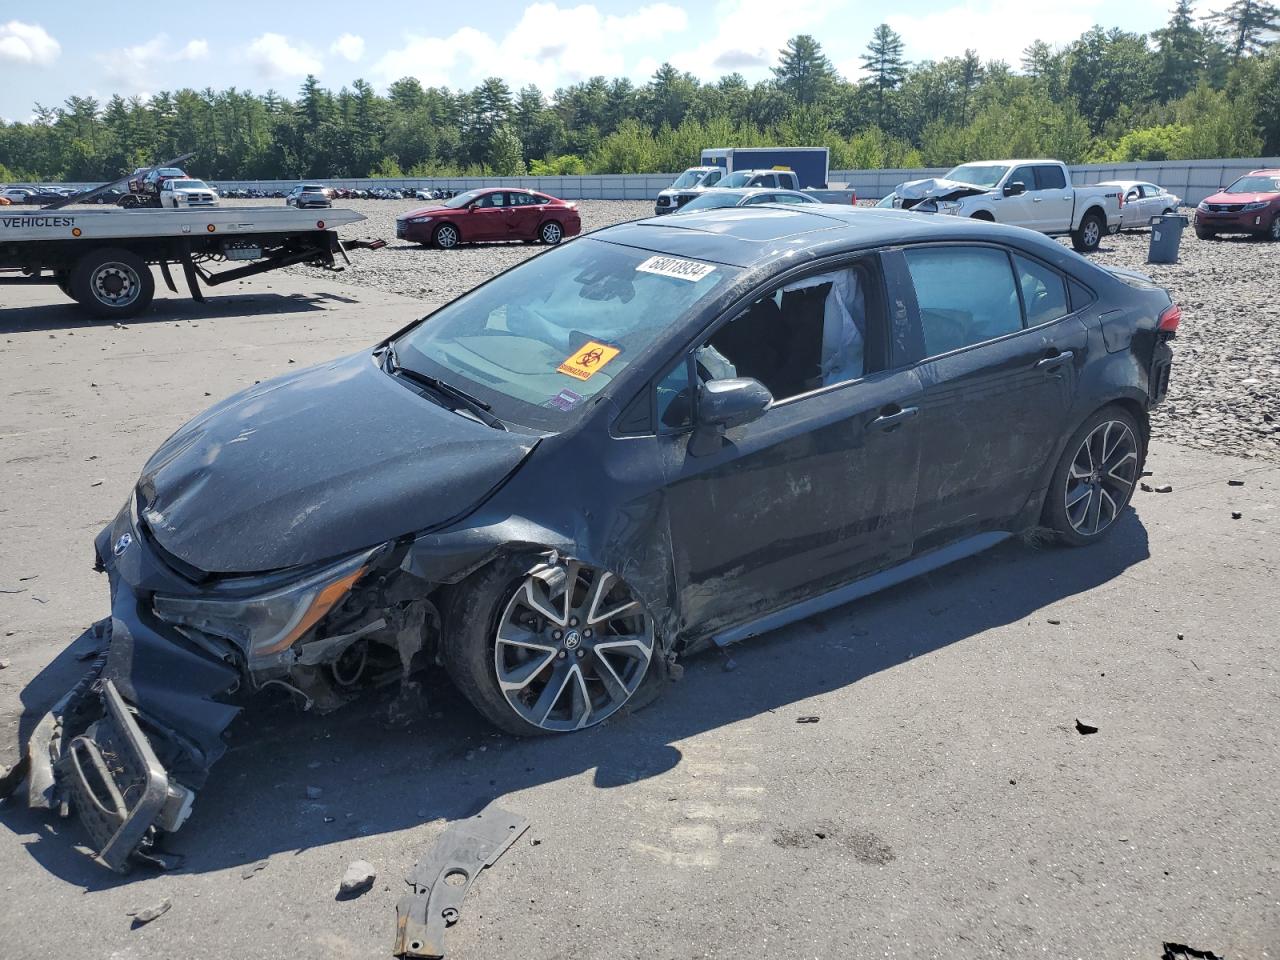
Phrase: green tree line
(1195, 88)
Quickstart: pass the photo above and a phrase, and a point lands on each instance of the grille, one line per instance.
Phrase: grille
(1226, 207)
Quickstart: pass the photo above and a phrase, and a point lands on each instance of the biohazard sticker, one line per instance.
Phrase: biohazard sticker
(587, 360)
(690, 270)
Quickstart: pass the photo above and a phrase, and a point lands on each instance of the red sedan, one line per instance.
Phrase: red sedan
(491, 214)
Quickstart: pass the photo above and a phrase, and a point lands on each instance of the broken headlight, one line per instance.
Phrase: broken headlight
(267, 625)
(949, 207)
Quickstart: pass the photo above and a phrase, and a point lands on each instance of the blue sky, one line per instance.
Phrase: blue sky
(51, 50)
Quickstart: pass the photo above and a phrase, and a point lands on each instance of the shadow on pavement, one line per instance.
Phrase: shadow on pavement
(66, 315)
(377, 780)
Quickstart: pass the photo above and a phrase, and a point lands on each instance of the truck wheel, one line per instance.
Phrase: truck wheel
(112, 282)
(64, 282)
(1090, 233)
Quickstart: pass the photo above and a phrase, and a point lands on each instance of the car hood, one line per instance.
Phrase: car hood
(1225, 197)
(435, 211)
(938, 188)
(314, 465)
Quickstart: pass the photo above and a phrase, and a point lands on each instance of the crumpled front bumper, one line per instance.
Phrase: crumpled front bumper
(129, 745)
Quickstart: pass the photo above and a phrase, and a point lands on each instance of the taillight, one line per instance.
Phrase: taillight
(853, 197)
(1169, 319)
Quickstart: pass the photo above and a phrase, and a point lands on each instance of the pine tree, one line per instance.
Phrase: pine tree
(1179, 53)
(886, 66)
(803, 72)
(1247, 26)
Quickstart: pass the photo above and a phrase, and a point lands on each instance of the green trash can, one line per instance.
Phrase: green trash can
(1166, 236)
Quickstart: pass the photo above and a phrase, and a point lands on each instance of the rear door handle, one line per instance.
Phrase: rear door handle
(887, 421)
(1055, 361)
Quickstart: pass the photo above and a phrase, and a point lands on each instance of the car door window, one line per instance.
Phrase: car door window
(759, 198)
(522, 200)
(1049, 177)
(788, 198)
(491, 200)
(1044, 291)
(713, 178)
(966, 295)
(824, 329)
(1025, 176)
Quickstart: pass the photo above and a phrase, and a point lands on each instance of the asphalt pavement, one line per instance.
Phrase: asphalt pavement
(943, 804)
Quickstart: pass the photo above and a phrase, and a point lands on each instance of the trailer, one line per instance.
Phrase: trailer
(810, 164)
(102, 259)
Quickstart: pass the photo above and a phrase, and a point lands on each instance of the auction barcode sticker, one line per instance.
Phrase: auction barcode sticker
(690, 270)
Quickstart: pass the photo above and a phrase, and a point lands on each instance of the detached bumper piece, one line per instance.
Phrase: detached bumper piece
(111, 761)
(441, 879)
(109, 775)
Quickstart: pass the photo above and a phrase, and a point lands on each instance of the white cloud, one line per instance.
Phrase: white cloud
(550, 45)
(744, 41)
(27, 43)
(133, 68)
(272, 55)
(997, 29)
(349, 47)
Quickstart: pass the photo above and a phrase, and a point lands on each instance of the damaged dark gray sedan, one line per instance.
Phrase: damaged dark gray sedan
(664, 435)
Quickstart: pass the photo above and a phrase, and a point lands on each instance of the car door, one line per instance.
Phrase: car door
(1017, 209)
(487, 218)
(522, 216)
(818, 491)
(1054, 201)
(1001, 356)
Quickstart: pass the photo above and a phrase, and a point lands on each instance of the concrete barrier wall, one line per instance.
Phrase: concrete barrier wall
(1193, 180)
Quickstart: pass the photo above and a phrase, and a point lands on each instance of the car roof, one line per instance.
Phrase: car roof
(754, 236)
(1266, 172)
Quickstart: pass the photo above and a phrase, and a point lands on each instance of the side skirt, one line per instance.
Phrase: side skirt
(925, 563)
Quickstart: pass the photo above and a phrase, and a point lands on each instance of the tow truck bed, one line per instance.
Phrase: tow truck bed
(100, 258)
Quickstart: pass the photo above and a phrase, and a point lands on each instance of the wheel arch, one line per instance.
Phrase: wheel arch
(1091, 209)
(983, 214)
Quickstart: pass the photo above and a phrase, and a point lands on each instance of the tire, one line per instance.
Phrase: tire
(551, 233)
(1083, 505)
(1274, 233)
(64, 282)
(446, 236)
(1088, 236)
(112, 282)
(475, 657)
(1203, 233)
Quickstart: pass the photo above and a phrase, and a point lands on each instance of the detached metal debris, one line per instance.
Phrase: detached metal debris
(441, 880)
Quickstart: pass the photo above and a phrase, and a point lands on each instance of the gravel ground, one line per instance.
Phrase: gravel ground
(1223, 396)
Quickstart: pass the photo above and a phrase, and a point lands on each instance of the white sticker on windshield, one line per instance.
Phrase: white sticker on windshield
(690, 270)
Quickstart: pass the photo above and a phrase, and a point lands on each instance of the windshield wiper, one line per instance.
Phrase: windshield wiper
(477, 407)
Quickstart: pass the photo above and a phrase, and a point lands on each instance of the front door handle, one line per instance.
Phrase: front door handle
(891, 417)
(1054, 361)
(1036, 199)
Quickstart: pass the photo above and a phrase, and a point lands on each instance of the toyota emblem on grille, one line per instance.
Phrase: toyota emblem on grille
(122, 544)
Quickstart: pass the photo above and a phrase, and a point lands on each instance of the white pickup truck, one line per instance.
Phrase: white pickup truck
(1036, 194)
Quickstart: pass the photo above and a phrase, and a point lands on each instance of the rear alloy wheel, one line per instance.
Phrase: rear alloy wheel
(446, 236)
(113, 282)
(551, 233)
(1087, 238)
(553, 649)
(1096, 477)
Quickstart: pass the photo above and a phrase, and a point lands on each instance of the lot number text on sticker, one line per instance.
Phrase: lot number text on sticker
(690, 270)
(587, 360)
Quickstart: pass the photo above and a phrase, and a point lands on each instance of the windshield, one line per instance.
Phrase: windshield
(689, 178)
(313, 188)
(712, 199)
(1255, 184)
(978, 174)
(462, 199)
(540, 339)
(738, 179)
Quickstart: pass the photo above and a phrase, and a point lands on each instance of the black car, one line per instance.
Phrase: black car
(665, 435)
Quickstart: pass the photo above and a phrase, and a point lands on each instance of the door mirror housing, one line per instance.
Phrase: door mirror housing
(724, 404)
(1015, 189)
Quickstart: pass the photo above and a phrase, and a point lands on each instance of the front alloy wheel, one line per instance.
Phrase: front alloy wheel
(572, 646)
(446, 236)
(546, 648)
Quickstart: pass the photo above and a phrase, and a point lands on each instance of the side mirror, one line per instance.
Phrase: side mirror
(724, 404)
(1015, 189)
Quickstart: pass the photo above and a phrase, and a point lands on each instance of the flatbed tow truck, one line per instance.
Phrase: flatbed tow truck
(102, 258)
